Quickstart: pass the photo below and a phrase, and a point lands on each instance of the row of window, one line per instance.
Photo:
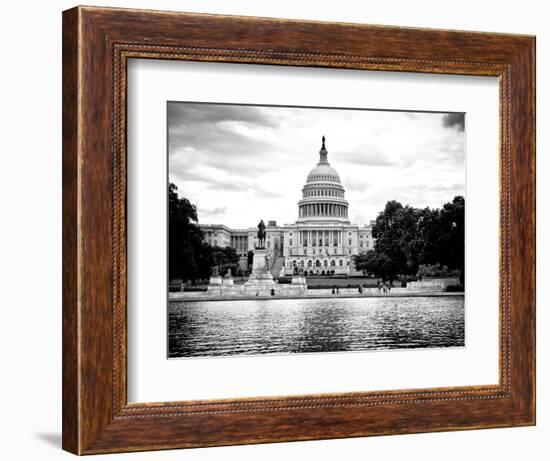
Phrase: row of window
(318, 263)
(323, 193)
(316, 177)
(320, 251)
(327, 243)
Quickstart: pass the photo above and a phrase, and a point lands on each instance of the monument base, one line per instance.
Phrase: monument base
(260, 282)
(299, 280)
(215, 280)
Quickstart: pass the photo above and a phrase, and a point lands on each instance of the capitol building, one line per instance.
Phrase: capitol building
(322, 240)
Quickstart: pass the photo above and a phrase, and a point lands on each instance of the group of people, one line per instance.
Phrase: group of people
(383, 287)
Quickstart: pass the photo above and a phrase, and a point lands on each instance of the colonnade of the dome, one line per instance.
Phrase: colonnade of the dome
(334, 210)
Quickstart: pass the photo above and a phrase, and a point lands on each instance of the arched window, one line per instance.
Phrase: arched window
(332, 263)
(325, 263)
(341, 263)
(309, 263)
(317, 263)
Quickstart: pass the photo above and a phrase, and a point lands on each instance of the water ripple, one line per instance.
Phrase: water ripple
(275, 326)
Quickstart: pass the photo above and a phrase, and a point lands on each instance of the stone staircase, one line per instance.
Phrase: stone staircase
(277, 265)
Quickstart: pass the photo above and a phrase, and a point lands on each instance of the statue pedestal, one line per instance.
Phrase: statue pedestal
(298, 280)
(260, 281)
(215, 280)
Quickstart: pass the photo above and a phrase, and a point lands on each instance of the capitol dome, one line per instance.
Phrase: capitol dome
(323, 193)
(323, 171)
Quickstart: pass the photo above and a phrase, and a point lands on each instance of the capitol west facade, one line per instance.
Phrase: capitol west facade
(322, 241)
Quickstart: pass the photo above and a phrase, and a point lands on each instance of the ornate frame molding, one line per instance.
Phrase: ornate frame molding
(97, 45)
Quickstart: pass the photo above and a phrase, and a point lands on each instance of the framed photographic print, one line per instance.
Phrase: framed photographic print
(286, 230)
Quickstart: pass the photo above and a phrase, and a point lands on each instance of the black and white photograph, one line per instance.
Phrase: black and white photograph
(313, 229)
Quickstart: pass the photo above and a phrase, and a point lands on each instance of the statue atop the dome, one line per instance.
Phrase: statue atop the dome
(323, 154)
(261, 234)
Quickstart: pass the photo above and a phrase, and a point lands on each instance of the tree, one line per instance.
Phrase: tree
(442, 236)
(185, 238)
(408, 237)
(396, 234)
(452, 220)
(379, 264)
(225, 258)
(362, 261)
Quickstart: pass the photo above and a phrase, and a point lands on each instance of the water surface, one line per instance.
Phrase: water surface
(250, 327)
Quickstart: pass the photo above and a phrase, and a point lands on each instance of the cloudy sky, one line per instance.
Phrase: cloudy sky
(239, 164)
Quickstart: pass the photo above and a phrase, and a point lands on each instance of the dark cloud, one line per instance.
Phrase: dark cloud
(218, 136)
(454, 120)
(188, 113)
(217, 183)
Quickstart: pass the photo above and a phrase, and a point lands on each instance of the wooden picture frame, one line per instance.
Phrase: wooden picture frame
(97, 43)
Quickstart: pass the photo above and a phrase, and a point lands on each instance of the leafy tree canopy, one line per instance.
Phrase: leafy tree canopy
(410, 237)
